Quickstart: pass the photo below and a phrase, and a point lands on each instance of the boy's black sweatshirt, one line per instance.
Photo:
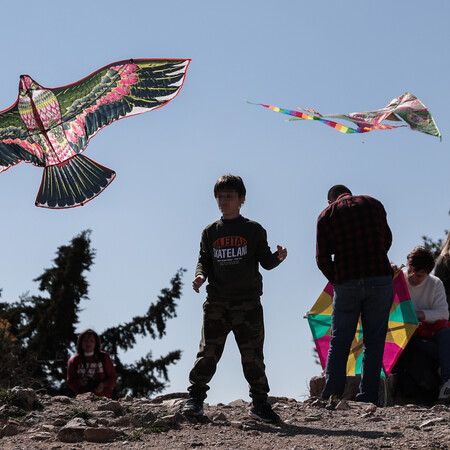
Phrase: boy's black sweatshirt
(230, 252)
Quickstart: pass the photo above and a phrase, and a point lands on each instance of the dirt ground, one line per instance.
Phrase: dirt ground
(88, 422)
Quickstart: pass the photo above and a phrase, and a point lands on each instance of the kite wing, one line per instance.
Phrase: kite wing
(52, 127)
(15, 143)
(119, 90)
(402, 324)
(406, 108)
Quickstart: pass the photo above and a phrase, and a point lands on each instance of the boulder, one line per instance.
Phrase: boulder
(26, 397)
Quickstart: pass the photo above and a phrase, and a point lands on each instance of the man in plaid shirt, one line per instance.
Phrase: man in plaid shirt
(353, 230)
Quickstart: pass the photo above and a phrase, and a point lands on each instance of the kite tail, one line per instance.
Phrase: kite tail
(73, 183)
(298, 115)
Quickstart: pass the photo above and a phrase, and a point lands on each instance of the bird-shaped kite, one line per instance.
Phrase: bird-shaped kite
(50, 128)
(407, 108)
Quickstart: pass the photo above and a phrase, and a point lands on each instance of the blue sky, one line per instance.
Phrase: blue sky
(334, 57)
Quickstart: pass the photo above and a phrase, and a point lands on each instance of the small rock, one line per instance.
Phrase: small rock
(439, 408)
(173, 419)
(220, 417)
(85, 396)
(238, 402)
(113, 406)
(236, 424)
(34, 418)
(72, 432)
(147, 418)
(76, 422)
(159, 423)
(10, 429)
(42, 436)
(175, 402)
(314, 418)
(272, 400)
(59, 422)
(100, 434)
(431, 422)
(371, 408)
(48, 428)
(126, 421)
(318, 403)
(342, 406)
(163, 397)
(376, 419)
(61, 399)
(104, 414)
(103, 421)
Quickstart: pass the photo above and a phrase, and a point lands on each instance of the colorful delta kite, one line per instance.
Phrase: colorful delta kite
(50, 128)
(402, 324)
(406, 107)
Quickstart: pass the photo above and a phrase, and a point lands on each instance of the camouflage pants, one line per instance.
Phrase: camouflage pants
(245, 319)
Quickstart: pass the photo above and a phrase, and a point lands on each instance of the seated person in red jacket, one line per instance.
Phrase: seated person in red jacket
(91, 369)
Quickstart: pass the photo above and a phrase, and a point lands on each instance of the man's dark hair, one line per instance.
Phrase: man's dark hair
(230, 182)
(336, 191)
(421, 259)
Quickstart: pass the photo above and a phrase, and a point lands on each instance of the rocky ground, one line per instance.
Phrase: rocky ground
(30, 421)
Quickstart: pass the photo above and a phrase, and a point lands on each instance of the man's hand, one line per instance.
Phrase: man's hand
(282, 252)
(197, 282)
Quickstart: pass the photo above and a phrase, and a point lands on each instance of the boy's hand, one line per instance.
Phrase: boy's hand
(282, 252)
(198, 281)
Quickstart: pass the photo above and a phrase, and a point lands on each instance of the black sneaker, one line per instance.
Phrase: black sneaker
(263, 411)
(193, 407)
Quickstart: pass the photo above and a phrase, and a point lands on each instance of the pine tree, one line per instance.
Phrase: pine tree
(435, 247)
(43, 328)
(144, 376)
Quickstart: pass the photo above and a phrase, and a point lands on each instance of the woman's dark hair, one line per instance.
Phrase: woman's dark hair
(421, 259)
(88, 332)
(230, 182)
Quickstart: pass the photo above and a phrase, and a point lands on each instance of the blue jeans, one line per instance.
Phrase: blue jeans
(371, 298)
(438, 349)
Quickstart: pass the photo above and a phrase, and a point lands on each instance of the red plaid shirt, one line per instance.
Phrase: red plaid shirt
(353, 229)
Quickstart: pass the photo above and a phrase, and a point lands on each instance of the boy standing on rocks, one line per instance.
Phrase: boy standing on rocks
(231, 250)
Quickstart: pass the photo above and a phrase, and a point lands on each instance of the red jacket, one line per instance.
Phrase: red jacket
(99, 368)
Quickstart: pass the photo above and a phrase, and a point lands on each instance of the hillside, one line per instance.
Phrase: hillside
(30, 421)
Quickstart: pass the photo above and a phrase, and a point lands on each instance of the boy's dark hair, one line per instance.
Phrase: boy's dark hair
(86, 333)
(336, 191)
(230, 182)
(421, 259)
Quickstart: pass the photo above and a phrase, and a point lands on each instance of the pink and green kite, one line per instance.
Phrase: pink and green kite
(406, 108)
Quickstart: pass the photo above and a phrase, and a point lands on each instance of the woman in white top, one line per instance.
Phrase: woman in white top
(430, 302)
